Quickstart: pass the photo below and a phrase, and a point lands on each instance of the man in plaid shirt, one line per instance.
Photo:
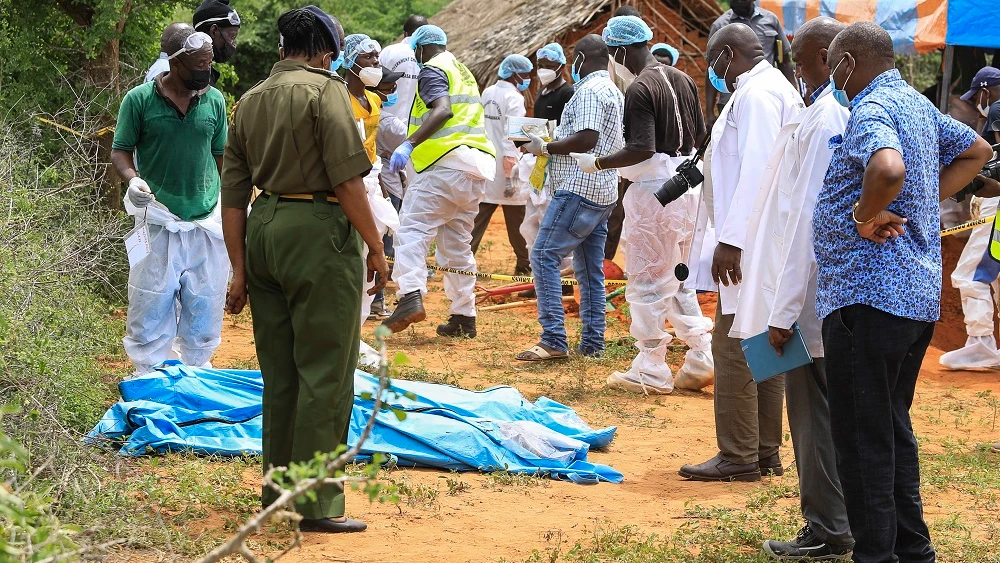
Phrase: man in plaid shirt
(576, 221)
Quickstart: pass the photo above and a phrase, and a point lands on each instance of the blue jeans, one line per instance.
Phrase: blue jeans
(872, 362)
(571, 225)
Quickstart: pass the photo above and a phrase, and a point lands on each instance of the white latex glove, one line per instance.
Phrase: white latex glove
(535, 144)
(587, 161)
(139, 193)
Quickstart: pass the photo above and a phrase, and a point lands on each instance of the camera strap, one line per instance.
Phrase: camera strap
(677, 109)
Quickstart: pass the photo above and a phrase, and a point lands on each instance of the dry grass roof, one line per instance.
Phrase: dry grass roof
(482, 32)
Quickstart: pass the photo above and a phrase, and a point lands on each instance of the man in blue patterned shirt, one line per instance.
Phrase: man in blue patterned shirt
(879, 282)
(576, 221)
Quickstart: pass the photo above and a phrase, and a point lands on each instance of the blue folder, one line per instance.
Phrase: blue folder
(764, 360)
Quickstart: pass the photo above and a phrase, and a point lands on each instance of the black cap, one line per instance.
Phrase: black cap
(215, 12)
(329, 24)
(389, 77)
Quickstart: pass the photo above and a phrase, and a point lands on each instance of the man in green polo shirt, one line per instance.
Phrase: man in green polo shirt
(168, 146)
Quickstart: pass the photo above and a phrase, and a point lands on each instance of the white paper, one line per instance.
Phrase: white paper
(515, 125)
(137, 244)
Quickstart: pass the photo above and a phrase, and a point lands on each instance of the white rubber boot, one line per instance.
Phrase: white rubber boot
(980, 352)
(697, 372)
(649, 373)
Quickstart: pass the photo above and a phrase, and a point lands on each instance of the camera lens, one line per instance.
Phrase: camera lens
(671, 190)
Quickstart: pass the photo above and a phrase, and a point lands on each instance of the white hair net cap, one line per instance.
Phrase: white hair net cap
(358, 43)
(674, 53)
(626, 30)
(552, 52)
(515, 64)
(428, 35)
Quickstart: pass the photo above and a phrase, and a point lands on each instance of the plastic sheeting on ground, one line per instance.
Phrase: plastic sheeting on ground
(214, 411)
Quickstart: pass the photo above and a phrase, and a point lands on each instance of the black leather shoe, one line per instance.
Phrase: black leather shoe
(458, 326)
(718, 469)
(410, 310)
(807, 546)
(328, 526)
(771, 465)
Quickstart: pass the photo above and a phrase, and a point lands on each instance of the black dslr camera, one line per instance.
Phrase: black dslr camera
(991, 170)
(688, 176)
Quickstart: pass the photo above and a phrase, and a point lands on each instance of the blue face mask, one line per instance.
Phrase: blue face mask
(574, 72)
(335, 64)
(390, 100)
(719, 83)
(524, 85)
(839, 94)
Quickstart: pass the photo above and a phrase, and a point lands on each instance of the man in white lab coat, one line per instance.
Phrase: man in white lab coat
(501, 101)
(747, 416)
(779, 290)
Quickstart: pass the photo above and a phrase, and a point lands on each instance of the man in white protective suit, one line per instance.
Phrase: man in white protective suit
(502, 101)
(453, 160)
(663, 123)
(779, 291)
(168, 146)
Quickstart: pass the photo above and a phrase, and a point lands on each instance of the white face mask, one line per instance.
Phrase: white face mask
(984, 109)
(622, 72)
(371, 76)
(547, 76)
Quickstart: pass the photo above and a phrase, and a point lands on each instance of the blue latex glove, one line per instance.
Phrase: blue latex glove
(400, 157)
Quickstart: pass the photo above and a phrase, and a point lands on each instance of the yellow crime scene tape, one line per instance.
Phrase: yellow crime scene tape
(102, 131)
(502, 277)
(966, 226)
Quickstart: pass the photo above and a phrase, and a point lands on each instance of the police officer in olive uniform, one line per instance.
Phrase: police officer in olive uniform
(298, 254)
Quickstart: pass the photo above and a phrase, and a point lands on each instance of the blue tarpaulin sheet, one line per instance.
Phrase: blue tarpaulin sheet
(215, 411)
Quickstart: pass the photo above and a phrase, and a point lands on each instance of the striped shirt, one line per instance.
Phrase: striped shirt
(599, 106)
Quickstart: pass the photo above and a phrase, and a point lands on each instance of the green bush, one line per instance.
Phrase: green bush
(61, 273)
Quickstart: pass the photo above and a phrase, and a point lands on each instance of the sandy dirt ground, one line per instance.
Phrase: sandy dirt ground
(488, 521)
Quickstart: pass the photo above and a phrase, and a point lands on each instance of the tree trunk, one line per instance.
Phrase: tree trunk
(101, 72)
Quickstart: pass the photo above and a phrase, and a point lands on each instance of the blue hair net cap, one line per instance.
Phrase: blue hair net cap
(428, 35)
(674, 53)
(552, 52)
(515, 64)
(358, 43)
(626, 30)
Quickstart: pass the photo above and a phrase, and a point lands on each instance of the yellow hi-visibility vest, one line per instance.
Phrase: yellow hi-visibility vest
(995, 239)
(467, 127)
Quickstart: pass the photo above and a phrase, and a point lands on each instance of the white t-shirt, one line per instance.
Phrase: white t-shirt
(399, 57)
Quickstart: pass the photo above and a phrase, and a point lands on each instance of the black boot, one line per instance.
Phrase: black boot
(458, 325)
(410, 310)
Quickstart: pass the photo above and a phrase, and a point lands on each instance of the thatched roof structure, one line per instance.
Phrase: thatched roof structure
(482, 32)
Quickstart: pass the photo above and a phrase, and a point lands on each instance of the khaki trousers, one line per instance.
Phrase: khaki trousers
(305, 272)
(747, 415)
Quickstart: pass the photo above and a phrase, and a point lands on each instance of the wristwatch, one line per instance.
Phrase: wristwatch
(545, 149)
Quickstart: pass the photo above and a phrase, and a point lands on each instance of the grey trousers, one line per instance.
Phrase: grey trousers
(821, 496)
(747, 415)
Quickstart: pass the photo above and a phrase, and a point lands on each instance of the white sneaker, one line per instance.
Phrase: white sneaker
(697, 372)
(980, 352)
(619, 380)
